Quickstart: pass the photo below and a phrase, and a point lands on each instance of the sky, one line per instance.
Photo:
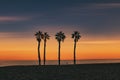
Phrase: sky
(98, 22)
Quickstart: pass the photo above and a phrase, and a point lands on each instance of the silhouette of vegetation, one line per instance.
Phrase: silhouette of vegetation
(39, 37)
(76, 36)
(45, 38)
(60, 36)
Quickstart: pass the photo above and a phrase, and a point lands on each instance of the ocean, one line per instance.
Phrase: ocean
(55, 62)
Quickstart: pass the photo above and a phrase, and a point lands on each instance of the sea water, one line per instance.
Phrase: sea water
(55, 62)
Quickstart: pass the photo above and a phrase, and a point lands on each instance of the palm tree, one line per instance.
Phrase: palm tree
(60, 36)
(45, 37)
(39, 37)
(76, 36)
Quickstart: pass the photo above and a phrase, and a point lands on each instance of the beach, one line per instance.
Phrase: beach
(109, 71)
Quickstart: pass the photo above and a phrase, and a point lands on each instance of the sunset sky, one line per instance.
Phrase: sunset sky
(98, 22)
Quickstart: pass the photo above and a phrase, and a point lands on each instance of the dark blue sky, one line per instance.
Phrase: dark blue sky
(90, 17)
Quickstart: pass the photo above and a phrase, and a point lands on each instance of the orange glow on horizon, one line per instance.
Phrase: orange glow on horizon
(26, 49)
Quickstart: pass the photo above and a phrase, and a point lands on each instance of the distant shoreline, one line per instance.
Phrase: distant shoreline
(55, 62)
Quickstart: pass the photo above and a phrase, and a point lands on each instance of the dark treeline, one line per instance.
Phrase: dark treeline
(60, 37)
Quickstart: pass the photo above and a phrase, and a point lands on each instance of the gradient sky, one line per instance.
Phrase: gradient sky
(97, 21)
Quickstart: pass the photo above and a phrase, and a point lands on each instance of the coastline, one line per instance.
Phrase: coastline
(55, 62)
(109, 71)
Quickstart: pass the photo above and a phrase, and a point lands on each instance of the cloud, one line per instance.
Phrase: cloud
(92, 9)
(12, 18)
(89, 6)
(105, 5)
(16, 35)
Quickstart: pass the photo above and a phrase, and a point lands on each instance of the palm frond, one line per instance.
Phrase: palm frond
(72, 35)
(46, 36)
(76, 36)
(39, 36)
(60, 36)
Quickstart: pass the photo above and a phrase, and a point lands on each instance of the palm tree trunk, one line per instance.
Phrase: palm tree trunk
(75, 52)
(39, 59)
(44, 52)
(59, 54)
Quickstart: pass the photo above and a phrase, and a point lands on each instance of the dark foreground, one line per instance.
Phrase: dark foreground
(65, 72)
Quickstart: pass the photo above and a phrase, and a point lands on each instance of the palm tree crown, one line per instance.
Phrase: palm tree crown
(76, 36)
(60, 36)
(39, 36)
(46, 36)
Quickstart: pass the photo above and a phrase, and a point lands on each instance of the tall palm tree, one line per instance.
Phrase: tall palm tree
(76, 36)
(39, 37)
(60, 36)
(45, 37)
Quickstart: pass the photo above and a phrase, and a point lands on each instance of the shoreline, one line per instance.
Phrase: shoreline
(55, 62)
(109, 71)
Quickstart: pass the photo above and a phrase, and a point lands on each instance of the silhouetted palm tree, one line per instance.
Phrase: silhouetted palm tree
(60, 36)
(45, 37)
(76, 36)
(39, 37)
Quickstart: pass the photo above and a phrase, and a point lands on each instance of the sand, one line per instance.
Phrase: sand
(64, 72)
